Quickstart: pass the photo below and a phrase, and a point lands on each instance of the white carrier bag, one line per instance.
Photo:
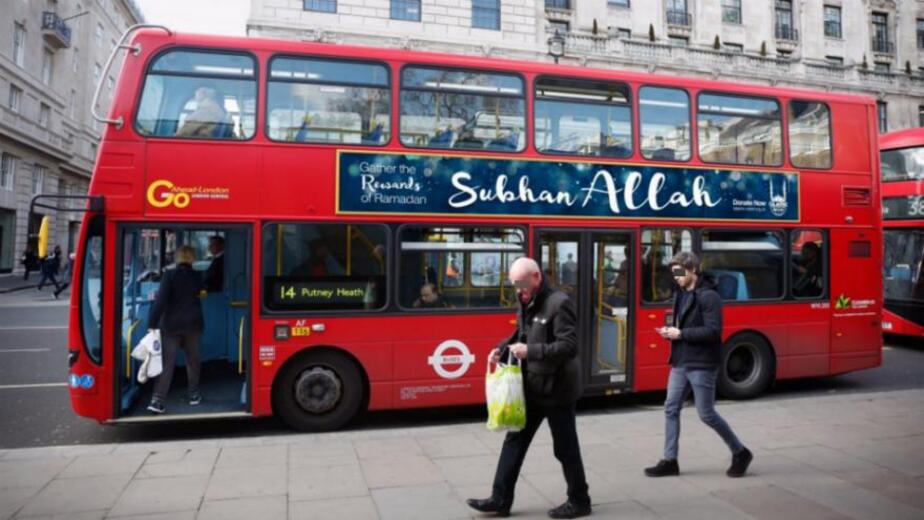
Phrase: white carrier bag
(148, 352)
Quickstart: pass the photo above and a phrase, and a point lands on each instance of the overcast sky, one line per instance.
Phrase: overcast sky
(200, 16)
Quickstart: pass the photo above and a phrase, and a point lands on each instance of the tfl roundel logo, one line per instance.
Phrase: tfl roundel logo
(453, 353)
(161, 194)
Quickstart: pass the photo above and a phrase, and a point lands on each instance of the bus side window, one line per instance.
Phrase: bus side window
(664, 115)
(809, 134)
(807, 264)
(328, 101)
(582, 117)
(745, 264)
(739, 130)
(199, 95)
(452, 108)
(658, 248)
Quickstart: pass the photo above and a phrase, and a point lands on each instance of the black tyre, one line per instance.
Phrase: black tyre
(748, 365)
(318, 391)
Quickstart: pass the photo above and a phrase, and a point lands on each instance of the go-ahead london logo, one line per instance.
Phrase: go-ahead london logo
(163, 193)
(451, 352)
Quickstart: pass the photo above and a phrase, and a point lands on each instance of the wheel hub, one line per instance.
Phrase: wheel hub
(744, 364)
(318, 390)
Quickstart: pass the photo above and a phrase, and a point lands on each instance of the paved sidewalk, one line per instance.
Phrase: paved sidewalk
(14, 282)
(838, 456)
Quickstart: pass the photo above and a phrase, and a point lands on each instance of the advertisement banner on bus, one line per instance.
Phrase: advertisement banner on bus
(441, 185)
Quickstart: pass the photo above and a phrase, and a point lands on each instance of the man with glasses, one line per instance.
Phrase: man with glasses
(546, 343)
(696, 342)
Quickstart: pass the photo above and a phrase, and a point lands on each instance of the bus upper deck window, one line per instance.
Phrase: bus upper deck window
(328, 101)
(583, 117)
(809, 134)
(664, 115)
(452, 108)
(739, 130)
(199, 95)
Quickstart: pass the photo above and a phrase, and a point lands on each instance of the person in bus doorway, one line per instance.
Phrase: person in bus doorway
(177, 312)
(207, 118)
(546, 343)
(696, 341)
(215, 274)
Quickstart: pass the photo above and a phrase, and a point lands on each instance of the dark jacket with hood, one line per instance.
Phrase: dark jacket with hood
(551, 370)
(177, 308)
(700, 324)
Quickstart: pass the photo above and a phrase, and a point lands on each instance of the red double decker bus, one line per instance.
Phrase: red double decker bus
(903, 231)
(370, 201)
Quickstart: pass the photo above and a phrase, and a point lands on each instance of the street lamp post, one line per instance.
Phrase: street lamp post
(556, 46)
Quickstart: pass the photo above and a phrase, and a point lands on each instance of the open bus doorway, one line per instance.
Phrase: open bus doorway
(147, 252)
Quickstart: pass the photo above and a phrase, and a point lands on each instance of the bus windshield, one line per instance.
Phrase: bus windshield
(903, 264)
(906, 164)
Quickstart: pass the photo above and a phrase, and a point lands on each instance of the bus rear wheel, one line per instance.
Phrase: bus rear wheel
(319, 391)
(747, 367)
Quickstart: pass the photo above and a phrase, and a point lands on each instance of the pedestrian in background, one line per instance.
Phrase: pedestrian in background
(50, 267)
(696, 342)
(29, 261)
(546, 343)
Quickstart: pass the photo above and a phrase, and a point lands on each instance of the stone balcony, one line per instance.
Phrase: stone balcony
(55, 31)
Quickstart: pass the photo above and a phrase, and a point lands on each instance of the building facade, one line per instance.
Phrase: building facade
(872, 47)
(52, 54)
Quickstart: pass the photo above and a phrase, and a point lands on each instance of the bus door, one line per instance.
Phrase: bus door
(222, 254)
(594, 268)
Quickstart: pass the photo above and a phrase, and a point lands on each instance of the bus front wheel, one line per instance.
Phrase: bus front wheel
(318, 391)
(747, 367)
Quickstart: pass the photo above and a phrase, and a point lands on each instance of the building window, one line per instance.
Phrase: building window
(832, 21)
(73, 105)
(44, 115)
(19, 44)
(881, 66)
(920, 33)
(15, 98)
(324, 6)
(734, 47)
(677, 12)
(97, 71)
(882, 111)
(7, 171)
(618, 3)
(99, 34)
(558, 4)
(405, 10)
(921, 115)
(486, 14)
(38, 179)
(48, 62)
(76, 60)
(93, 149)
(731, 11)
(783, 13)
(623, 34)
(110, 83)
(679, 41)
(881, 32)
(835, 60)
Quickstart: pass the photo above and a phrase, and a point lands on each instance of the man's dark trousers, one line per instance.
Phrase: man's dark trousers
(565, 445)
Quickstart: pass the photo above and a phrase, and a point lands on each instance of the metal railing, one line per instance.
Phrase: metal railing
(786, 32)
(679, 18)
(52, 22)
(883, 46)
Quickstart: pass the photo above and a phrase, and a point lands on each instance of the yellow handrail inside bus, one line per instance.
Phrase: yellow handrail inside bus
(278, 249)
(240, 347)
(128, 347)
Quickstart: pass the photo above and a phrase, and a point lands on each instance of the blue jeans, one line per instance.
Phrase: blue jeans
(702, 383)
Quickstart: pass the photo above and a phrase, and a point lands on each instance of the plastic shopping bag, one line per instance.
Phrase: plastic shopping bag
(149, 353)
(506, 401)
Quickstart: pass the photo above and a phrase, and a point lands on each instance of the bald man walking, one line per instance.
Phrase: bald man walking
(546, 343)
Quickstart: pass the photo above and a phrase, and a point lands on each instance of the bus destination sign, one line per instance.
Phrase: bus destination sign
(283, 292)
(441, 185)
(903, 207)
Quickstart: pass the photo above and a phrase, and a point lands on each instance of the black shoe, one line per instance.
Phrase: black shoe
(664, 468)
(157, 407)
(570, 510)
(490, 505)
(195, 399)
(740, 463)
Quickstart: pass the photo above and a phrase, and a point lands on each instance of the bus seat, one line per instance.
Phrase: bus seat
(731, 285)
(900, 272)
(508, 142)
(663, 154)
(442, 139)
(223, 130)
(374, 136)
